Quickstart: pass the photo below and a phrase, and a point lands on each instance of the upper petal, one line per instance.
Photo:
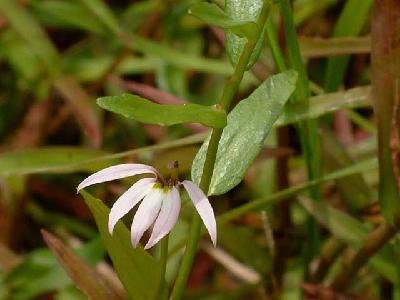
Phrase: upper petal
(146, 214)
(203, 207)
(128, 200)
(117, 172)
(167, 218)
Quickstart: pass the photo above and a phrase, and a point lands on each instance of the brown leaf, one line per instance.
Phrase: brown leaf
(84, 277)
(79, 102)
(32, 129)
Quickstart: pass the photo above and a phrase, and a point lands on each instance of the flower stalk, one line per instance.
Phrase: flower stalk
(163, 261)
(229, 91)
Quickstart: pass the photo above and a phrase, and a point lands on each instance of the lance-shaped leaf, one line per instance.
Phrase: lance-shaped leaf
(324, 104)
(139, 271)
(243, 137)
(40, 273)
(239, 11)
(143, 110)
(385, 57)
(84, 277)
(212, 14)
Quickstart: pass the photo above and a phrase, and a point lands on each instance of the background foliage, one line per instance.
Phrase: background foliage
(306, 204)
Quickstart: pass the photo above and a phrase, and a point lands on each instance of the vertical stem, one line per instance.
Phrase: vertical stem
(308, 130)
(385, 65)
(283, 216)
(163, 260)
(274, 46)
(229, 91)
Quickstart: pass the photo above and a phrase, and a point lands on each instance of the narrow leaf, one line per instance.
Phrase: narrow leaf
(320, 47)
(103, 13)
(350, 23)
(139, 272)
(65, 14)
(81, 105)
(243, 137)
(212, 14)
(40, 273)
(84, 277)
(26, 26)
(50, 159)
(143, 110)
(324, 104)
(37, 40)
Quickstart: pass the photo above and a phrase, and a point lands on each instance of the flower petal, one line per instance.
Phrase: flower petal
(146, 214)
(117, 172)
(203, 207)
(167, 218)
(128, 200)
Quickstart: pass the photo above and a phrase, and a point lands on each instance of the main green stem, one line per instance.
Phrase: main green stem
(229, 91)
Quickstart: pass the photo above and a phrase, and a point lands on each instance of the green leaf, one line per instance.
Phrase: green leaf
(212, 14)
(27, 27)
(239, 11)
(350, 23)
(243, 137)
(65, 14)
(103, 13)
(50, 159)
(143, 110)
(139, 271)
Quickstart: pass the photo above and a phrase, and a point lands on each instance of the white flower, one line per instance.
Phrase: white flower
(161, 202)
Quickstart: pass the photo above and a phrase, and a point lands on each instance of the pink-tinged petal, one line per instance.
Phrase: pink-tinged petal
(117, 172)
(167, 218)
(128, 200)
(203, 207)
(146, 214)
